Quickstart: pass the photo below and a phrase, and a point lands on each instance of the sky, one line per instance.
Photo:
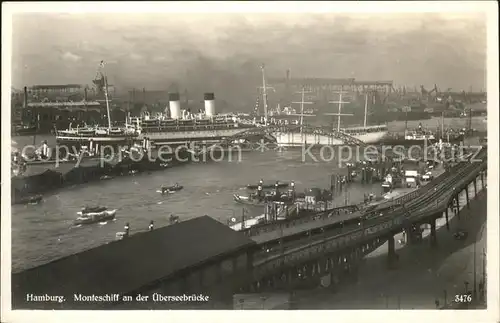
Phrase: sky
(222, 52)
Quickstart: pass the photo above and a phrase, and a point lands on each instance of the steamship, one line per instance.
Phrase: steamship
(179, 127)
(176, 126)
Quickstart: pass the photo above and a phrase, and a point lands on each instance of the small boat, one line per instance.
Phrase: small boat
(170, 189)
(95, 210)
(34, 199)
(105, 177)
(250, 200)
(280, 185)
(90, 215)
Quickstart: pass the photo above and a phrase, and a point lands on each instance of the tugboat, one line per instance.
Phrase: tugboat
(89, 215)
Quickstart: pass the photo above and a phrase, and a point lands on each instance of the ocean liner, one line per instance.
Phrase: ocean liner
(175, 126)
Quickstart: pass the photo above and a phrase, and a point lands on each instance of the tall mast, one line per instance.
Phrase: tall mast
(340, 102)
(442, 125)
(264, 93)
(366, 108)
(105, 79)
(302, 110)
(340, 109)
(302, 102)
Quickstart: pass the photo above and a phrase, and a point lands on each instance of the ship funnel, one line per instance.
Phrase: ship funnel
(209, 104)
(175, 105)
(25, 97)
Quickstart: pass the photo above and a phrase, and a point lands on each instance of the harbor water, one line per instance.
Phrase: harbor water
(44, 232)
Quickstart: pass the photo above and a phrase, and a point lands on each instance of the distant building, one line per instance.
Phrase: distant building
(56, 106)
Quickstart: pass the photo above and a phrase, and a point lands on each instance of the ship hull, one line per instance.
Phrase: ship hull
(183, 137)
(298, 140)
(156, 138)
(415, 142)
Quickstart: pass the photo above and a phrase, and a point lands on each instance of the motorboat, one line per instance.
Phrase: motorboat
(89, 215)
(253, 200)
(170, 189)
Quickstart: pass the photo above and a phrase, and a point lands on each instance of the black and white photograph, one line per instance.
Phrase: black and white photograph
(251, 156)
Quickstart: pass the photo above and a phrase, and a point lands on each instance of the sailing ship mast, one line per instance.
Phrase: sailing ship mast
(105, 89)
(264, 92)
(302, 102)
(340, 102)
(366, 109)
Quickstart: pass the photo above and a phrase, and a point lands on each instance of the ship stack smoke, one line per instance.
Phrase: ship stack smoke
(25, 97)
(175, 105)
(209, 104)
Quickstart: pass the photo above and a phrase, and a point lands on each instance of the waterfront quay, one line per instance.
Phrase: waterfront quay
(41, 178)
(220, 262)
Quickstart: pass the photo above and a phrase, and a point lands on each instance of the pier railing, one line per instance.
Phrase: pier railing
(305, 129)
(298, 220)
(444, 184)
(335, 212)
(304, 250)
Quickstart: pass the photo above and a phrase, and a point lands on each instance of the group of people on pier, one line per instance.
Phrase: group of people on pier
(126, 229)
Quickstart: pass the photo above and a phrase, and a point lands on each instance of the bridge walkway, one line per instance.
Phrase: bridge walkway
(313, 223)
(418, 209)
(267, 132)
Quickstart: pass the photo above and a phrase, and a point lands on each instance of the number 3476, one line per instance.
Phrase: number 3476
(465, 298)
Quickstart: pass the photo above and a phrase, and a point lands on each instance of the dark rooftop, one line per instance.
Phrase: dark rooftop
(127, 265)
